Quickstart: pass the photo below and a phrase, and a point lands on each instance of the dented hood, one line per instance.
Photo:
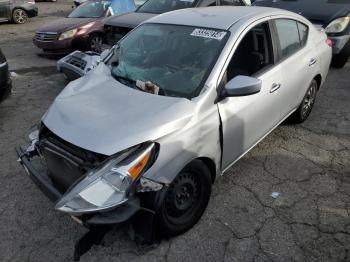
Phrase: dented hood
(99, 114)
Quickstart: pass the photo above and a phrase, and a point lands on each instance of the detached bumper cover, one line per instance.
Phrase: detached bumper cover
(77, 64)
(115, 216)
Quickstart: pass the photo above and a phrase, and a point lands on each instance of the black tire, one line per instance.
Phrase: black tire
(19, 16)
(305, 108)
(185, 201)
(340, 60)
(94, 43)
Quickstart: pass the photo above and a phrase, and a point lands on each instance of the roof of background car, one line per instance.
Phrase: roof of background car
(219, 17)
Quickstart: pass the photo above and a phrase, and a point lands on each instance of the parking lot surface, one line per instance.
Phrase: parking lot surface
(286, 200)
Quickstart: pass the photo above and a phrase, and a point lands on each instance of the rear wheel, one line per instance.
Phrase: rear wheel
(19, 16)
(306, 105)
(186, 199)
(95, 43)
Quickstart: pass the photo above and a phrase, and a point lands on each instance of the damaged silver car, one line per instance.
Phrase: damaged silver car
(171, 107)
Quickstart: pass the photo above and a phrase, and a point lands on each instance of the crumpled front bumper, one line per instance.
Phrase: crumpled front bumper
(116, 216)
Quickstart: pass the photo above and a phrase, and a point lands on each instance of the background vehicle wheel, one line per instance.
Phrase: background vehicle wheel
(185, 200)
(19, 16)
(95, 43)
(339, 60)
(306, 105)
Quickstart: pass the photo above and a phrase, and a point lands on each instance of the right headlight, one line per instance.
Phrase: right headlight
(338, 25)
(68, 34)
(108, 186)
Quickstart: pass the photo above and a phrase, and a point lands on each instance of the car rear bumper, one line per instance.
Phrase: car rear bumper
(118, 215)
(5, 81)
(339, 42)
(32, 12)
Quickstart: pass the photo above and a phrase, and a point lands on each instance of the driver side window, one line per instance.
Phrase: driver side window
(253, 54)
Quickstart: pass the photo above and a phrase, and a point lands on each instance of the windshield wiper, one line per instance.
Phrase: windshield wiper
(124, 78)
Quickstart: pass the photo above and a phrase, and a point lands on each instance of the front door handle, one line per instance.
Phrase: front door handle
(312, 61)
(275, 87)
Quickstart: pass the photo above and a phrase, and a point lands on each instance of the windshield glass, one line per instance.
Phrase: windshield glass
(177, 59)
(122, 6)
(162, 6)
(90, 9)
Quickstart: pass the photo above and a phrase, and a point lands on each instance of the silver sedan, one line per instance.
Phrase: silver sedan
(172, 106)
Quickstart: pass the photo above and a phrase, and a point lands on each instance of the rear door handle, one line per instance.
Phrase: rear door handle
(312, 61)
(275, 87)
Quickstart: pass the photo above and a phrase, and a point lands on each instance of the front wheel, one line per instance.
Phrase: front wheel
(305, 108)
(19, 16)
(186, 200)
(95, 43)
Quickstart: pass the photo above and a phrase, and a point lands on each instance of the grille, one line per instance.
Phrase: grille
(45, 36)
(77, 62)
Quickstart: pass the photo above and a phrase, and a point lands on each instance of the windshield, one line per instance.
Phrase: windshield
(90, 10)
(162, 6)
(122, 6)
(176, 59)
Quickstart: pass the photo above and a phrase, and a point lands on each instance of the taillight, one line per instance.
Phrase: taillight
(329, 42)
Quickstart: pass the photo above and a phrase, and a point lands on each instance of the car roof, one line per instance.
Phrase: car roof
(219, 17)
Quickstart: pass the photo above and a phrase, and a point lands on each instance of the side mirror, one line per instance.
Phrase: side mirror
(247, 2)
(242, 86)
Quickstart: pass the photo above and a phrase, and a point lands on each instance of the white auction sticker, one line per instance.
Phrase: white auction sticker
(218, 35)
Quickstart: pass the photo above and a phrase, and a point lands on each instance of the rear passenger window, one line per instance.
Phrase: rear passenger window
(288, 36)
(303, 32)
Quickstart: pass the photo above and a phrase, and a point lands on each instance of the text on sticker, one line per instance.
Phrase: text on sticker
(218, 35)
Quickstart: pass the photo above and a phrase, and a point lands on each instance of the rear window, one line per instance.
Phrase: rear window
(292, 36)
(162, 6)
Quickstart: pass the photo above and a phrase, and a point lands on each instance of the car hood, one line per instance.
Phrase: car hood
(65, 24)
(99, 114)
(129, 20)
(321, 13)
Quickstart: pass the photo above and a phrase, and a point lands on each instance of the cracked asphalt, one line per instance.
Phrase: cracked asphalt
(308, 165)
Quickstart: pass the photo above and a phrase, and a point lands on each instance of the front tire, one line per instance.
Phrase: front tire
(95, 43)
(305, 108)
(185, 200)
(19, 16)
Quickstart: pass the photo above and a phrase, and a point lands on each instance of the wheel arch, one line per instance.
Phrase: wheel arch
(210, 165)
(318, 79)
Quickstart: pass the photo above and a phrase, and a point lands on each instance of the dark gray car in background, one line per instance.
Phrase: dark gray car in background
(118, 26)
(17, 11)
(331, 15)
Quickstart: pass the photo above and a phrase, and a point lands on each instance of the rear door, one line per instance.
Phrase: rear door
(298, 60)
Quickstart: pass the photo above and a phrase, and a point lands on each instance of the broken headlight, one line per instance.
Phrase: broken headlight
(107, 186)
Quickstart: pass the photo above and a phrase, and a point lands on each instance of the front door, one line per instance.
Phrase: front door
(247, 119)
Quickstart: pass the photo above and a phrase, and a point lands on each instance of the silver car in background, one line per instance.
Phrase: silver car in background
(171, 107)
